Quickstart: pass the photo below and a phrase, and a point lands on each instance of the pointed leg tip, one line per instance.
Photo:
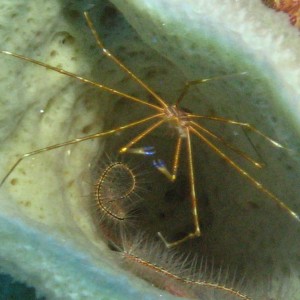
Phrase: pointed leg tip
(296, 216)
(168, 245)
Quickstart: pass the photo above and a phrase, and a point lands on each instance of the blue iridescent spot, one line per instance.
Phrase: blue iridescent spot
(149, 150)
(159, 163)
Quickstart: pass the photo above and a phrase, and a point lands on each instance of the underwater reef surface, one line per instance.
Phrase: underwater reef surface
(48, 238)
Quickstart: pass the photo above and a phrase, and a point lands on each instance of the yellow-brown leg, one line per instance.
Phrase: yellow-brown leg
(196, 232)
(120, 64)
(240, 170)
(75, 141)
(161, 166)
(243, 125)
(140, 136)
(229, 145)
(191, 83)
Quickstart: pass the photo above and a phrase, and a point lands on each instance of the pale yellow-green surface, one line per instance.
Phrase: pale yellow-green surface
(46, 241)
(49, 237)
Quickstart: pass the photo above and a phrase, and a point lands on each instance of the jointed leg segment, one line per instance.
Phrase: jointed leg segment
(79, 140)
(120, 64)
(84, 80)
(160, 165)
(191, 83)
(256, 183)
(229, 145)
(194, 201)
(244, 125)
(127, 147)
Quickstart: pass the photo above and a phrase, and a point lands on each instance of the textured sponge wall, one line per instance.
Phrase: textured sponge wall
(39, 108)
(207, 38)
(43, 222)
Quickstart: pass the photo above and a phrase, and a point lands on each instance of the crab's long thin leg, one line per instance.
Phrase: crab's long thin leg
(78, 140)
(244, 125)
(240, 170)
(161, 165)
(191, 83)
(194, 201)
(229, 145)
(140, 136)
(120, 64)
(85, 80)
